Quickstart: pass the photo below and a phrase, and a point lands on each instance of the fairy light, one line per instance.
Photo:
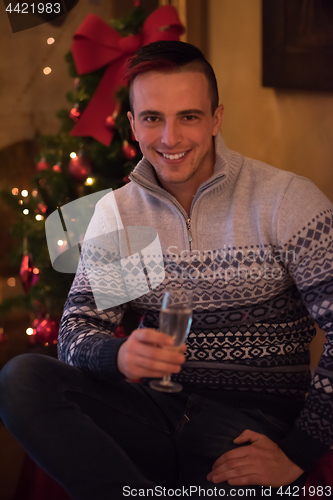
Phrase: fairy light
(60, 243)
(20, 202)
(34, 193)
(11, 282)
(35, 270)
(73, 154)
(15, 191)
(39, 217)
(50, 40)
(47, 70)
(89, 181)
(24, 193)
(25, 211)
(29, 331)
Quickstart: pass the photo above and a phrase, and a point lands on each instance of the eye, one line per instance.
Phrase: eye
(151, 119)
(190, 118)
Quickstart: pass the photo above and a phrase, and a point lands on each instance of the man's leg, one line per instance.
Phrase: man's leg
(94, 438)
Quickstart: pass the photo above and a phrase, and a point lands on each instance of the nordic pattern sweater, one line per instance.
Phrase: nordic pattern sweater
(257, 251)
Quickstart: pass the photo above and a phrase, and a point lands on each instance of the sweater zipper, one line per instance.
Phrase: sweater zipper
(189, 232)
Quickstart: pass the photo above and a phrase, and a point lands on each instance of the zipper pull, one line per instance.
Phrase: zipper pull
(188, 224)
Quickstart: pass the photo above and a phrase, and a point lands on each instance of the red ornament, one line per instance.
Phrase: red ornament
(3, 337)
(110, 121)
(79, 168)
(47, 331)
(120, 332)
(75, 113)
(129, 151)
(57, 167)
(42, 208)
(43, 165)
(29, 273)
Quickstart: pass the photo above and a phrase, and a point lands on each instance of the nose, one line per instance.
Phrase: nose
(171, 134)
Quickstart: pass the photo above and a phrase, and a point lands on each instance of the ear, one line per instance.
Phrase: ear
(132, 122)
(218, 119)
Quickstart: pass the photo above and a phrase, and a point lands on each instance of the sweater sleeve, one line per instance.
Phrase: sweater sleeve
(305, 234)
(95, 305)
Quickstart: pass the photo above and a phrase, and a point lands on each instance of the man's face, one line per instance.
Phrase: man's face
(173, 124)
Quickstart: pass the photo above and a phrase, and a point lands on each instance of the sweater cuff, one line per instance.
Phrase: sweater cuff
(302, 449)
(107, 359)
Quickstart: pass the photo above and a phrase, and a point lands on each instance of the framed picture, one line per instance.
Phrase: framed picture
(298, 44)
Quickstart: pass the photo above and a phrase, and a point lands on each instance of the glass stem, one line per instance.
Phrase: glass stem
(166, 379)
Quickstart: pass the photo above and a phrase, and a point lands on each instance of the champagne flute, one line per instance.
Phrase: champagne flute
(175, 320)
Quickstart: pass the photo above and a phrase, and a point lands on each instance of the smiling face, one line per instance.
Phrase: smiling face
(174, 126)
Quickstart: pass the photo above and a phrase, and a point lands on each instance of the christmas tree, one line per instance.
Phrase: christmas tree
(93, 151)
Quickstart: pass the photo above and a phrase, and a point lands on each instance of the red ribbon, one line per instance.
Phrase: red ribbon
(96, 44)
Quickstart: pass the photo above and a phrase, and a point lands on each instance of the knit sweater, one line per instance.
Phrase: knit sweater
(257, 252)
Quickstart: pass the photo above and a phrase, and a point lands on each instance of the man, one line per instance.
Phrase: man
(254, 244)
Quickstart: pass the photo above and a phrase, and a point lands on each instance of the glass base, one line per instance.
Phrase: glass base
(160, 385)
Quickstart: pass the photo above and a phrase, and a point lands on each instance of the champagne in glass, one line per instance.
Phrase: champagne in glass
(175, 320)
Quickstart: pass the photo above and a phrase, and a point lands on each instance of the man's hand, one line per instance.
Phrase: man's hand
(262, 462)
(149, 353)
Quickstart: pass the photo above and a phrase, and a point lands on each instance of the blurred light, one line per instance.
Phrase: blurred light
(25, 211)
(89, 181)
(50, 40)
(35, 270)
(34, 192)
(47, 70)
(39, 217)
(60, 243)
(73, 155)
(30, 331)
(11, 282)
(15, 191)
(24, 193)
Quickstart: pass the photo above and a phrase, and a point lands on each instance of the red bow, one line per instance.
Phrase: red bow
(96, 44)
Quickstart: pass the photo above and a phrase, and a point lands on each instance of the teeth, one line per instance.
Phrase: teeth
(174, 157)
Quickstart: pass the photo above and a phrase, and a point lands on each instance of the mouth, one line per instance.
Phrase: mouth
(174, 156)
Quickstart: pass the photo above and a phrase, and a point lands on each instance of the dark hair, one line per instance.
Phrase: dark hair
(171, 56)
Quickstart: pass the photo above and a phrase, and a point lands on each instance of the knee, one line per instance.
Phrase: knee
(18, 378)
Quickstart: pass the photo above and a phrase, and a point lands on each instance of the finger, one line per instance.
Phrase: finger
(237, 453)
(247, 436)
(156, 367)
(151, 336)
(152, 353)
(235, 475)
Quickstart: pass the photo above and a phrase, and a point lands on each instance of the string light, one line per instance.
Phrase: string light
(60, 243)
(89, 181)
(47, 70)
(30, 331)
(15, 191)
(21, 202)
(34, 193)
(50, 40)
(39, 217)
(11, 282)
(24, 193)
(73, 154)
(25, 211)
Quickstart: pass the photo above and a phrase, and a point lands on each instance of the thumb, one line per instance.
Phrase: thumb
(247, 436)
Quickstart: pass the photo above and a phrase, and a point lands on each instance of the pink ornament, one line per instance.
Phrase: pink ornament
(75, 114)
(29, 273)
(57, 167)
(129, 151)
(47, 331)
(110, 121)
(43, 165)
(79, 168)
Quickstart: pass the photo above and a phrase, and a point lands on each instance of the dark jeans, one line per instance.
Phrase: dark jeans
(95, 437)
